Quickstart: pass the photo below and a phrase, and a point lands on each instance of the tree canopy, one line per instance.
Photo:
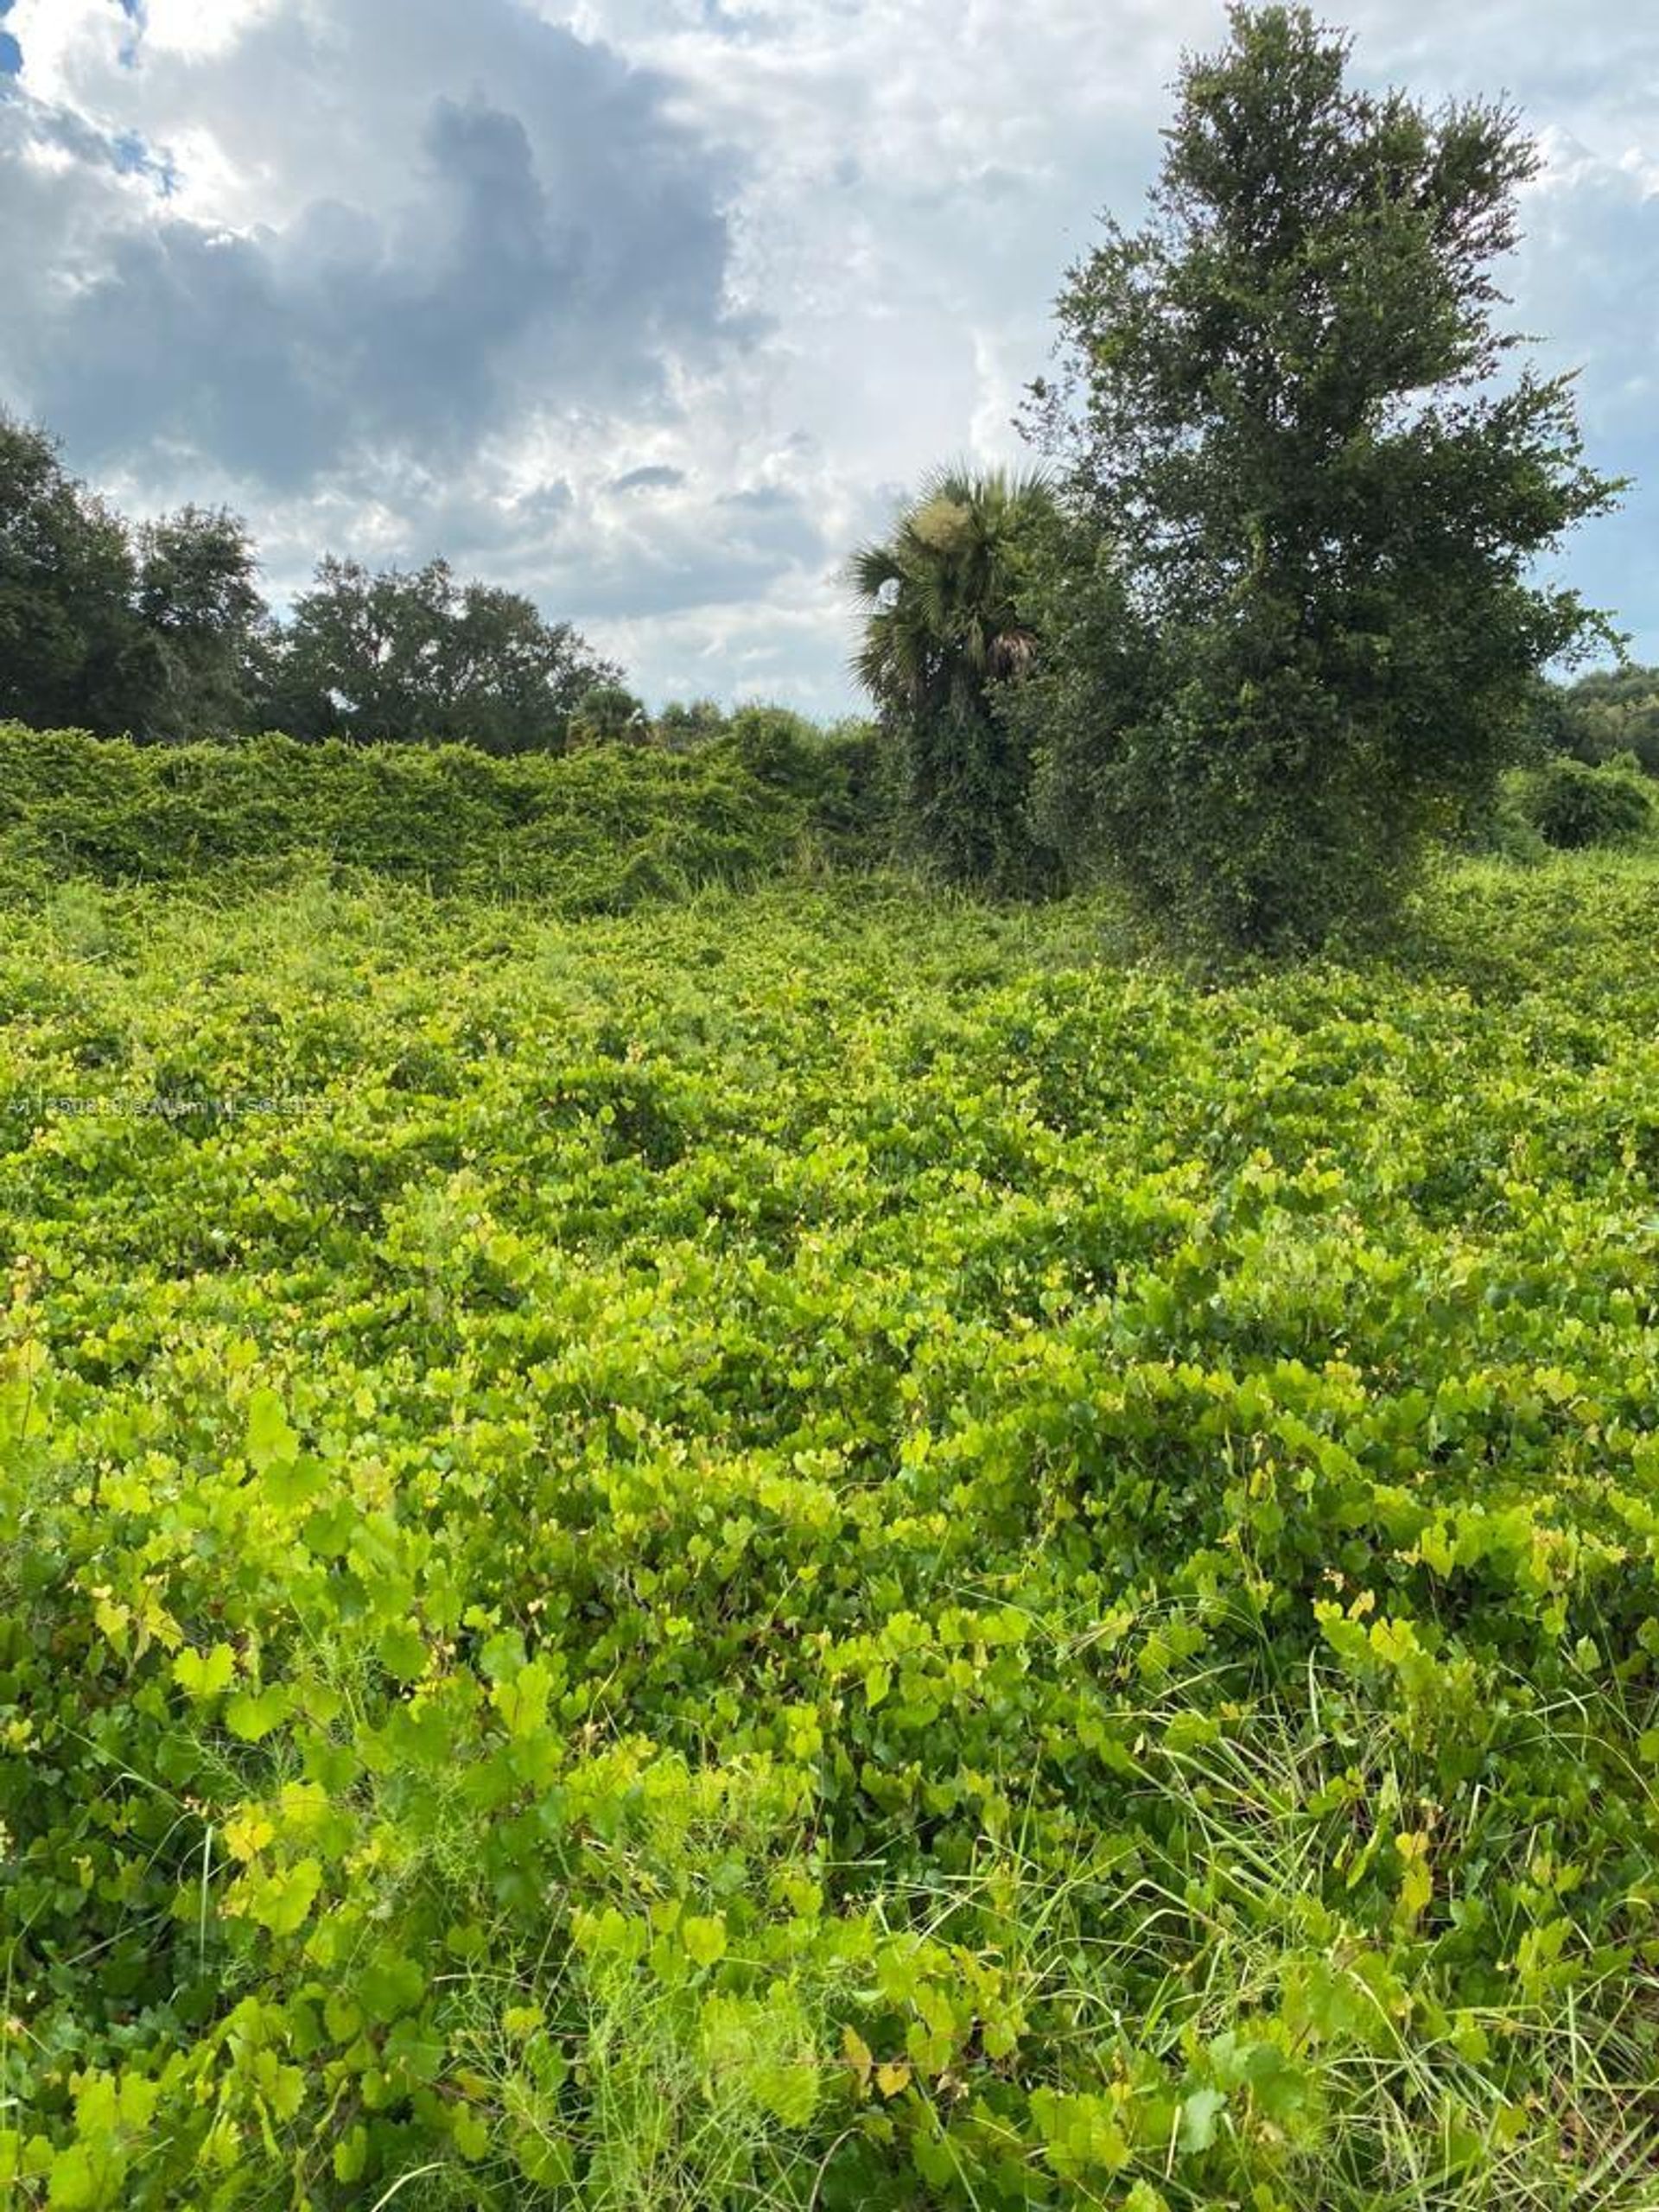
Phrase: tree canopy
(1607, 713)
(202, 616)
(378, 658)
(71, 642)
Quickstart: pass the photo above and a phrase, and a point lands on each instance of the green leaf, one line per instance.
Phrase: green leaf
(544, 2159)
(789, 2091)
(521, 1702)
(351, 2156)
(203, 1675)
(470, 2134)
(282, 1901)
(389, 1985)
(703, 1938)
(293, 1482)
(1201, 2111)
(402, 1650)
(252, 1714)
(75, 2185)
(270, 1441)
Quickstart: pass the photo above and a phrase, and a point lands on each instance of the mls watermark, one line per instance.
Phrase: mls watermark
(42, 1106)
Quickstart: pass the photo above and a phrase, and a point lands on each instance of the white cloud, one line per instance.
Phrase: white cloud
(66, 42)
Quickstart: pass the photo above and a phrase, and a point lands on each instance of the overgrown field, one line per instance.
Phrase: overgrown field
(803, 1551)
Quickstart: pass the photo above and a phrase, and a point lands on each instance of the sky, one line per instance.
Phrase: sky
(653, 309)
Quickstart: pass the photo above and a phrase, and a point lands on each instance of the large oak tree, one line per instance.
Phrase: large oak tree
(1309, 479)
(413, 656)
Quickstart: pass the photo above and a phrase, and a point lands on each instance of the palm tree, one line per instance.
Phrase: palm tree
(941, 632)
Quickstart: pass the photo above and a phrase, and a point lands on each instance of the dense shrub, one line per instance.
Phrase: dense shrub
(587, 833)
(1572, 804)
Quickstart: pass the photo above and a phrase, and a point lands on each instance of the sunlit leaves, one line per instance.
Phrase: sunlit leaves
(838, 1539)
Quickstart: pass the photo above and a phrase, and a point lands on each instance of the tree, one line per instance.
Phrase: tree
(1284, 432)
(683, 725)
(201, 613)
(413, 656)
(99, 630)
(608, 714)
(1610, 712)
(71, 649)
(943, 636)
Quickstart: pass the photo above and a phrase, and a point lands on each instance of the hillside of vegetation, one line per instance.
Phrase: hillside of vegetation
(815, 1551)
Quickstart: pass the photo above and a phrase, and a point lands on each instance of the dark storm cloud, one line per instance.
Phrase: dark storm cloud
(553, 242)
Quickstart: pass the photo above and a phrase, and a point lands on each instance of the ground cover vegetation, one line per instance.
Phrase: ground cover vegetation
(826, 1550)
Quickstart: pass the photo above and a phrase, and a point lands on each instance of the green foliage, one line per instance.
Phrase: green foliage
(944, 638)
(843, 771)
(1609, 712)
(149, 633)
(1096, 676)
(819, 1552)
(1285, 429)
(608, 714)
(160, 633)
(1571, 805)
(204, 621)
(597, 832)
(415, 657)
(70, 649)
(683, 724)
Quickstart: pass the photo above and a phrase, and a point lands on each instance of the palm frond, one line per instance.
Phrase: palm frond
(938, 594)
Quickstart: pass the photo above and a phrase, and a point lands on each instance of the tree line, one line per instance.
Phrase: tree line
(159, 630)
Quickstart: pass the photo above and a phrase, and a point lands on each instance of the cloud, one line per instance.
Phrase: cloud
(1587, 275)
(657, 476)
(549, 238)
(652, 308)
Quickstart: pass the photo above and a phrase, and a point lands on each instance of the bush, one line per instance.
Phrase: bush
(1572, 805)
